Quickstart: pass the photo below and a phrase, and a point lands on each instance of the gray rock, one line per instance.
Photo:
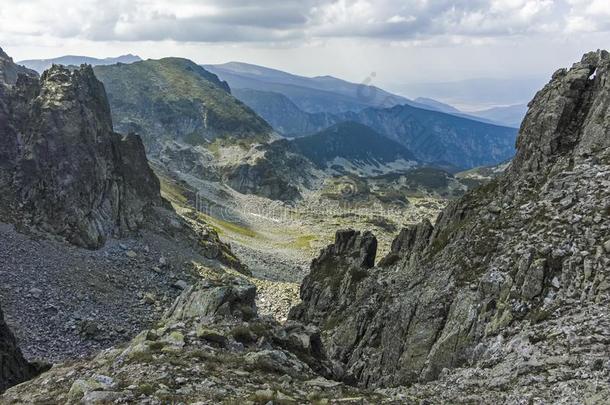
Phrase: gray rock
(73, 175)
(210, 299)
(180, 285)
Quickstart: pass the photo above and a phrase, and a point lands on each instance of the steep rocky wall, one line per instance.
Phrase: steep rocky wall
(67, 171)
(521, 251)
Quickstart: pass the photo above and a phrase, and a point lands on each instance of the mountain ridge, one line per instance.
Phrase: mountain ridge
(40, 65)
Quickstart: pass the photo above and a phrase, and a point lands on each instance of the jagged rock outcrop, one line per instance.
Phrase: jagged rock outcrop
(497, 283)
(14, 369)
(211, 347)
(65, 170)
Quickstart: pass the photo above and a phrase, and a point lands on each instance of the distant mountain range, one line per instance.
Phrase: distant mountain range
(312, 95)
(40, 65)
(192, 118)
(285, 100)
(354, 143)
(283, 114)
(479, 92)
(511, 115)
(440, 138)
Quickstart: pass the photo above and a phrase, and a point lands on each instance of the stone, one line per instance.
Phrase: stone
(100, 397)
(211, 335)
(180, 285)
(149, 298)
(35, 292)
(82, 387)
(607, 246)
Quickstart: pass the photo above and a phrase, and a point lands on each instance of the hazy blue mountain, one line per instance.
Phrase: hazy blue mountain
(283, 115)
(437, 105)
(511, 115)
(316, 94)
(353, 142)
(438, 137)
(40, 65)
(477, 92)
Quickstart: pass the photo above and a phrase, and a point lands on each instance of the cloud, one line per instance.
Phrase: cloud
(294, 20)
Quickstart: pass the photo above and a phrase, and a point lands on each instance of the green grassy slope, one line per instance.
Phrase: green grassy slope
(174, 98)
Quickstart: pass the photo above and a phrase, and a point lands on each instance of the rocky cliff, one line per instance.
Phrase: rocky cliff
(65, 169)
(510, 287)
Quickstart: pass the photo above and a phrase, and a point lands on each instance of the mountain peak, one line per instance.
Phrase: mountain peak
(567, 117)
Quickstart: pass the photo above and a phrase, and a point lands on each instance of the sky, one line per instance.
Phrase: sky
(384, 42)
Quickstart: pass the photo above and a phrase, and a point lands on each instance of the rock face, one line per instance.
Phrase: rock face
(67, 172)
(497, 284)
(276, 171)
(14, 369)
(215, 299)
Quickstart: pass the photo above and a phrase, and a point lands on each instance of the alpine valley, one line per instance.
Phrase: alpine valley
(177, 233)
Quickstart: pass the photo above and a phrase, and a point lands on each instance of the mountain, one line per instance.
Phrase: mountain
(40, 65)
(352, 144)
(282, 114)
(323, 94)
(504, 300)
(284, 169)
(477, 307)
(438, 137)
(476, 92)
(174, 99)
(437, 105)
(511, 116)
